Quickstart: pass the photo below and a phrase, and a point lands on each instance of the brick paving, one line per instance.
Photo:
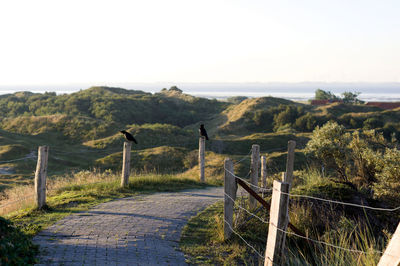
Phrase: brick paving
(141, 230)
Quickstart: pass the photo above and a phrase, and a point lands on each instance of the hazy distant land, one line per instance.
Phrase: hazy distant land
(388, 91)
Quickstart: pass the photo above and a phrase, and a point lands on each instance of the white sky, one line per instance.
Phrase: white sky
(47, 42)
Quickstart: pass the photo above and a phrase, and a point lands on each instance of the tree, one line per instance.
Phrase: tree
(175, 88)
(351, 97)
(324, 95)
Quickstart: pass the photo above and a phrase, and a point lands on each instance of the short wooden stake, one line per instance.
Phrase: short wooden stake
(391, 257)
(278, 221)
(230, 188)
(40, 176)
(264, 171)
(202, 148)
(255, 162)
(290, 162)
(126, 163)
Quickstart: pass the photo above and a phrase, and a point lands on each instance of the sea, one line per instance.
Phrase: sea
(303, 91)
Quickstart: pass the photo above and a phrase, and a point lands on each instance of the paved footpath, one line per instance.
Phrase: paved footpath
(141, 230)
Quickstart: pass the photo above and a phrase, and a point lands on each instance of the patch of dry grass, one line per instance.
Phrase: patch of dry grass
(19, 197)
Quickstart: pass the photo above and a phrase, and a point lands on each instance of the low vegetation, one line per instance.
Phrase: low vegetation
(359, 167)
(345, 150)
(68, 195)
(16, 248)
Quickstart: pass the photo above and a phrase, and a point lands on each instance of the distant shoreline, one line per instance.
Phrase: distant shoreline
(303, 91)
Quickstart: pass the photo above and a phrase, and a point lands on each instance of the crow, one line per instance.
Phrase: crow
(128, 136)
(203, 131)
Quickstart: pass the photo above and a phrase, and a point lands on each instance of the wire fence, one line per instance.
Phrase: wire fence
(16, 201)
(243, 158)
(29, 156)
(61, 150)
(294, 234)
(315, 241)
(256, 187)
(242, 208)
(343, 203)
(54, 152)
(250, 246)
(331, 245)
(51, 188)
(248, 183)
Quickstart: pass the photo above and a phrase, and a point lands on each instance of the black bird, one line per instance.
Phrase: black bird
(203, 131)
(128, 136)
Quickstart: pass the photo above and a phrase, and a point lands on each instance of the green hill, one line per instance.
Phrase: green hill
(342, 150)
(82, 128)
(114, 105)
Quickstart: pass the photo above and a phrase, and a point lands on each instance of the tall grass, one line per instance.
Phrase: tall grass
(349, 247)
(350, 238)
(21, 197)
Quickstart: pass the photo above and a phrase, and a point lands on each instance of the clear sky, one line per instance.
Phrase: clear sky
(85, 41)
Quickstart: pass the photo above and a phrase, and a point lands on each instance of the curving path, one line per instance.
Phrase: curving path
(141, 230)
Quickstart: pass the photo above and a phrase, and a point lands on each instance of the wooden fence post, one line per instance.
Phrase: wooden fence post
(230, 188)
(278, 220)
(391, 257)
(255, 162)
(40, 176)
(126, 163)
(290, 162)
(202, 147)
(264, 171)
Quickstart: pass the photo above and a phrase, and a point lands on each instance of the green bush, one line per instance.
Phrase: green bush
(329, 144)
(363, 155)
(16, 248)
(387, 186)
(287, 117)
(372, 123)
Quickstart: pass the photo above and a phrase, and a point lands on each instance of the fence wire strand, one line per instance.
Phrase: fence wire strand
(243, 158)
(248, 183)
(342, 203)
(240, 207)
(16, 201)
(19, 159)
(331, 245)
(236, 233)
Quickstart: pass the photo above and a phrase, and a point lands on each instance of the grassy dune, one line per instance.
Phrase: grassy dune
(82, 131)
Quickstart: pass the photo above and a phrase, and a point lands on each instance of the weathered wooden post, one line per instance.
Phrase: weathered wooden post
(278, 221)
(290, 162)
(126, 163)
(202, 147)
(230, 188)
(255, 162)
(391, 257)
(264, 171)
(40, 176)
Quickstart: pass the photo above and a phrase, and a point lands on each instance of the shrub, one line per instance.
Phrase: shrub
(306, 123)
(387, 186)
(236, 99)
(364, 155)
(16, 248)
(372, 122)
(329, 144)
(287, 116)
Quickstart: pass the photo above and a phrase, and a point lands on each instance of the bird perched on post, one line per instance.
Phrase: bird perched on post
(203, 131)
(128, 136)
